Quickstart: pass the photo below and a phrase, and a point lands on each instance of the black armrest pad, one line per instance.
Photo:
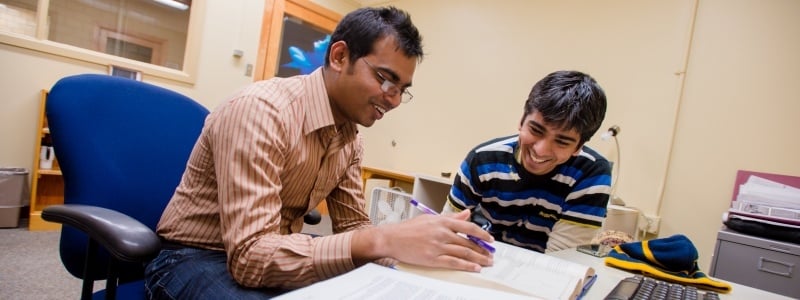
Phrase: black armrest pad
(124, 237)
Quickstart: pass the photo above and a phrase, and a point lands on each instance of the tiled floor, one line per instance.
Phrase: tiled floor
(31, 267)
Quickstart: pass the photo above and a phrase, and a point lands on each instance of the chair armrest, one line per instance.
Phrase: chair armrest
(123, 236)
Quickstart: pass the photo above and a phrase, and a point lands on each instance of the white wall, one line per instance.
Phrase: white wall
(484, 57)
(739, 111)
(682, 141)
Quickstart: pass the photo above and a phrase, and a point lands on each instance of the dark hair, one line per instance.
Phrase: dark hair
(569, 100)
(362, 27)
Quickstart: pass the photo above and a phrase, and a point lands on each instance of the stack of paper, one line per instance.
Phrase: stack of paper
(763, 199)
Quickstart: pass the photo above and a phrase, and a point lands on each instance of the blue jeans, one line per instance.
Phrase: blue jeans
(192, 273)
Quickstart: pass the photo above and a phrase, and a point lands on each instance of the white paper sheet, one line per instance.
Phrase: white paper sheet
(373, 281)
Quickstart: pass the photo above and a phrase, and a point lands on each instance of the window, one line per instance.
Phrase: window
(129, 46)
(152, 36)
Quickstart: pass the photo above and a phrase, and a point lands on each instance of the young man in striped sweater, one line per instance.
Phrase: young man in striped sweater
(543, 188)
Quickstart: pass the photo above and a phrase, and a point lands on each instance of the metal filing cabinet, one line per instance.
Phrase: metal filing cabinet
(761, 263)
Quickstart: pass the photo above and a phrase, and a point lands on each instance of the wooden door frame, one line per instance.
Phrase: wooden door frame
(272, 28)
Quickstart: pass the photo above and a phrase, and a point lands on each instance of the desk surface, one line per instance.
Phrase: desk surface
(608, 277)
(375, 282)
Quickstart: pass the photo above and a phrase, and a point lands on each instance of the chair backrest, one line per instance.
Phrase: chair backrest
(121, 144)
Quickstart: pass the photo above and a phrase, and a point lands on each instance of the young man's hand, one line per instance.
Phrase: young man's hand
(426, 240)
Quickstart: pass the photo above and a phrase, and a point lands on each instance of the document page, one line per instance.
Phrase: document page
(534, 273)
(519, 271)
(512, 257)
(373, 281)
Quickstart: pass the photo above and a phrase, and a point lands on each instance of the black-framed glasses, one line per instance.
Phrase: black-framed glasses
(390, 88)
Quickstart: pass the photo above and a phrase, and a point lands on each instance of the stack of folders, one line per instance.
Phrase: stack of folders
(767, 201)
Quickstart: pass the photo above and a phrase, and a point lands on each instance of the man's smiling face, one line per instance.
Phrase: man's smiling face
(543, 146)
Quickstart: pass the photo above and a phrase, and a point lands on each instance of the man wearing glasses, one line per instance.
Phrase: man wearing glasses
(273, 151)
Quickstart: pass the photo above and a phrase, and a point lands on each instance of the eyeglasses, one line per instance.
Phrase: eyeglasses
(390, 88)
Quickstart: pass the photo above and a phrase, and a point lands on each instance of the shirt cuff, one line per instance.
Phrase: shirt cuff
(332, 255)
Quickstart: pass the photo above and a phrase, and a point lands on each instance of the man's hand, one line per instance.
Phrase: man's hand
(426, 240)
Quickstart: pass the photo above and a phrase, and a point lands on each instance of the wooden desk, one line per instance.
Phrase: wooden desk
(608, 277)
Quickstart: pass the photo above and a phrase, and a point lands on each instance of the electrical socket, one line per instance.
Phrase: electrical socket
(248, 71)
(649, 223)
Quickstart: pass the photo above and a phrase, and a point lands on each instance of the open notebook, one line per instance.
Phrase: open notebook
(523, 272)
(517, 274)
(376, 282)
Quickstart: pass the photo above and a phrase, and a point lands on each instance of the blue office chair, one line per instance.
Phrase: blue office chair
(122, 146)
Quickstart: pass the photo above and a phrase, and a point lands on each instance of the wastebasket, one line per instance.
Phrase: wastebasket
(13, 195)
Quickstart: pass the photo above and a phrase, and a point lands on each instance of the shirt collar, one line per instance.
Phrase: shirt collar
(318, 110)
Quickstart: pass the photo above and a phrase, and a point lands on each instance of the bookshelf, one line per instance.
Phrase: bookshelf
(47, 185)
(395, 178)
(431, 191)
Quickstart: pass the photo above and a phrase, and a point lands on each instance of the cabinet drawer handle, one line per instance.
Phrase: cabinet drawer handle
(762, 267)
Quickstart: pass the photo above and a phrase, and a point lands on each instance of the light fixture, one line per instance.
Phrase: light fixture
(173, 3)
(612, 133)
(619, 216)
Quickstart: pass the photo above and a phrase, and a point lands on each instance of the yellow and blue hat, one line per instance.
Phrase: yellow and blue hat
(671, 259)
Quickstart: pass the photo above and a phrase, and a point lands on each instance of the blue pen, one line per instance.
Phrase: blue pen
(587, 286)
(429, 211)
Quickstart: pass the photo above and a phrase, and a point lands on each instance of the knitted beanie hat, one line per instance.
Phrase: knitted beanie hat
(671, 259)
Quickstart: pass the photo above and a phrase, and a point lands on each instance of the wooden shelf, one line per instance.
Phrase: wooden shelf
(47, 185)
(50, 172)
(393, 176)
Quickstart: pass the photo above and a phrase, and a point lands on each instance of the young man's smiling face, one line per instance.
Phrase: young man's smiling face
(543, 146)
(358, 96)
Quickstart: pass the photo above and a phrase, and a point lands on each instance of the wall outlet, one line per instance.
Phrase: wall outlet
(649, 223)
(248, 70)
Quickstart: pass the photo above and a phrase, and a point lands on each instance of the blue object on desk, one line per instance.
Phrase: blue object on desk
(587, 286)
(430, 211)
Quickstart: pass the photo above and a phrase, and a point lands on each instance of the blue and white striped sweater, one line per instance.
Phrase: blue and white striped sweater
(523, 207)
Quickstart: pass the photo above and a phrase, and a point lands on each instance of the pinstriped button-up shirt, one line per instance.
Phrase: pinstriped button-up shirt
(258, 167)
